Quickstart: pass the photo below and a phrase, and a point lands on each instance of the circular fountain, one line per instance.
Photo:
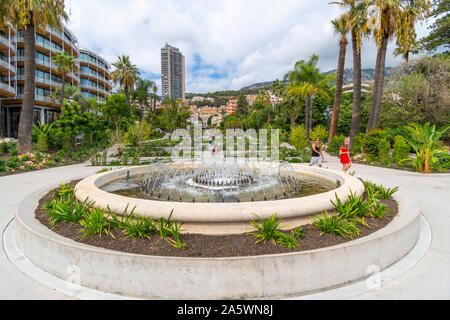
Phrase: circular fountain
(219, 197)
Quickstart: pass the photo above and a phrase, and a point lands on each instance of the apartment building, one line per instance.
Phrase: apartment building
(232, 106)
(91, 77)
(172, 73)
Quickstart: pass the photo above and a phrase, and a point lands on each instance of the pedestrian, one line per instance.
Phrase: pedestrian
(344, 153)
(212, 143)
(317, 156)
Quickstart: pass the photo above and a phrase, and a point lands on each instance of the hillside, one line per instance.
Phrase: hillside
(367, 75)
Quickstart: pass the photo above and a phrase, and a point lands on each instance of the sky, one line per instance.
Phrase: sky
(227, 44)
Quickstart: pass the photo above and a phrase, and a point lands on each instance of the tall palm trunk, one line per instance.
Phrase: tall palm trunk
(63, 89)
(338, 94)
(311, 109)
(356, 113)
(379, 84)
(307, 106)
(26, 114)
(127, 95)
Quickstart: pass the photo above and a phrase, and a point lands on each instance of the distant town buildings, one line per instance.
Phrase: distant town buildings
(172, 73)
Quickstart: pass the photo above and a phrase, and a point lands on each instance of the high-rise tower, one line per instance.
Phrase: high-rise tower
(172, 73)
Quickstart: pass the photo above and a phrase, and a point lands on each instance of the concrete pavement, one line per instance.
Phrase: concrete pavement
(428, 279)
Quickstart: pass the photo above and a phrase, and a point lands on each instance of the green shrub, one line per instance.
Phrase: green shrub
(401, 150)
(95, 222)
(140, 228)
(335, 145)
(442, 161)
(370, 143)
(357, 144)
(266, 230)
(298, 233)
(13, 152)
(286, 240)
(383, 151)
(335, 225)
(13, 162)
(319, 132)
(298, 138)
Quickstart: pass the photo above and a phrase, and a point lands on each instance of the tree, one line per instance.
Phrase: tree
(395, 16)
(357, 16)
(125, 75)
(341, 27)
(141, 95)
(155, 91)
(117, 113)
(71, 93)
(299, 92)
(439, 36)
(242, 106)
(66, 63)
(30, 16)
(278, 88)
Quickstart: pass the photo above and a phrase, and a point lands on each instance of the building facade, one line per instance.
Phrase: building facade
(47, 77)
(172, 73)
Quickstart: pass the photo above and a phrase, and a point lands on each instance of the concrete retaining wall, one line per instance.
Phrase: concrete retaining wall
(217, 278)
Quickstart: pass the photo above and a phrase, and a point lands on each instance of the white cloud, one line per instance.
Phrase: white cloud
(247, 41)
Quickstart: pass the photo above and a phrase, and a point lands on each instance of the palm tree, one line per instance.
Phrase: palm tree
(125, 75)
(155, 91)
(66, 63)
(30, 16)
(308, 73)
(71, 93)
(396, 17)
(277, 89)
(341, 27)
(299, 91)
(356, 11)
(142, 93)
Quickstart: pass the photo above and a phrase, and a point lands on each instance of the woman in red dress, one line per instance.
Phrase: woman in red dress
(344, 153)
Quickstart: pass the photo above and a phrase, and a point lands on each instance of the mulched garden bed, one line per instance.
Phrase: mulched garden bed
(202, 246)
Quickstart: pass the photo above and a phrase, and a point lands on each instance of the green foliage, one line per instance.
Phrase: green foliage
(266, 229)
(298, 138)
(6, 147)
(335, 225)
(401, 149)
(371, 142)
(357, 144)
(335, 145)
(64, 191)
(298, 233)
(383, 151)
(140, 228)
(442, 160)
(66, 209)
(95, 222)
(425, 142)
(319, 132)
(286, 240)
(139, 132)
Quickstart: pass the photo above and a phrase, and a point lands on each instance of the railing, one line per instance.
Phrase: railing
(7, 87)
(7, 43)
(95, 63)
(8, 66)
(88, 86)
(62, 36)
(37, 98)
(94, 75)
(41, 80)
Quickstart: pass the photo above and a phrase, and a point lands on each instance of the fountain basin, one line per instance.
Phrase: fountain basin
(219, 218)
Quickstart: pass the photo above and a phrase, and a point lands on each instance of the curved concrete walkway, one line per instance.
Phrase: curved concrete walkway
(429, 279)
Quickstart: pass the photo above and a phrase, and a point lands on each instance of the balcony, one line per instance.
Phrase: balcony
(94, 75)
(93, 62)
(41, 80)
(45, 99)
(7, 90)
(4, 64)
(60, 35)
(9, 44)
(95, 88)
